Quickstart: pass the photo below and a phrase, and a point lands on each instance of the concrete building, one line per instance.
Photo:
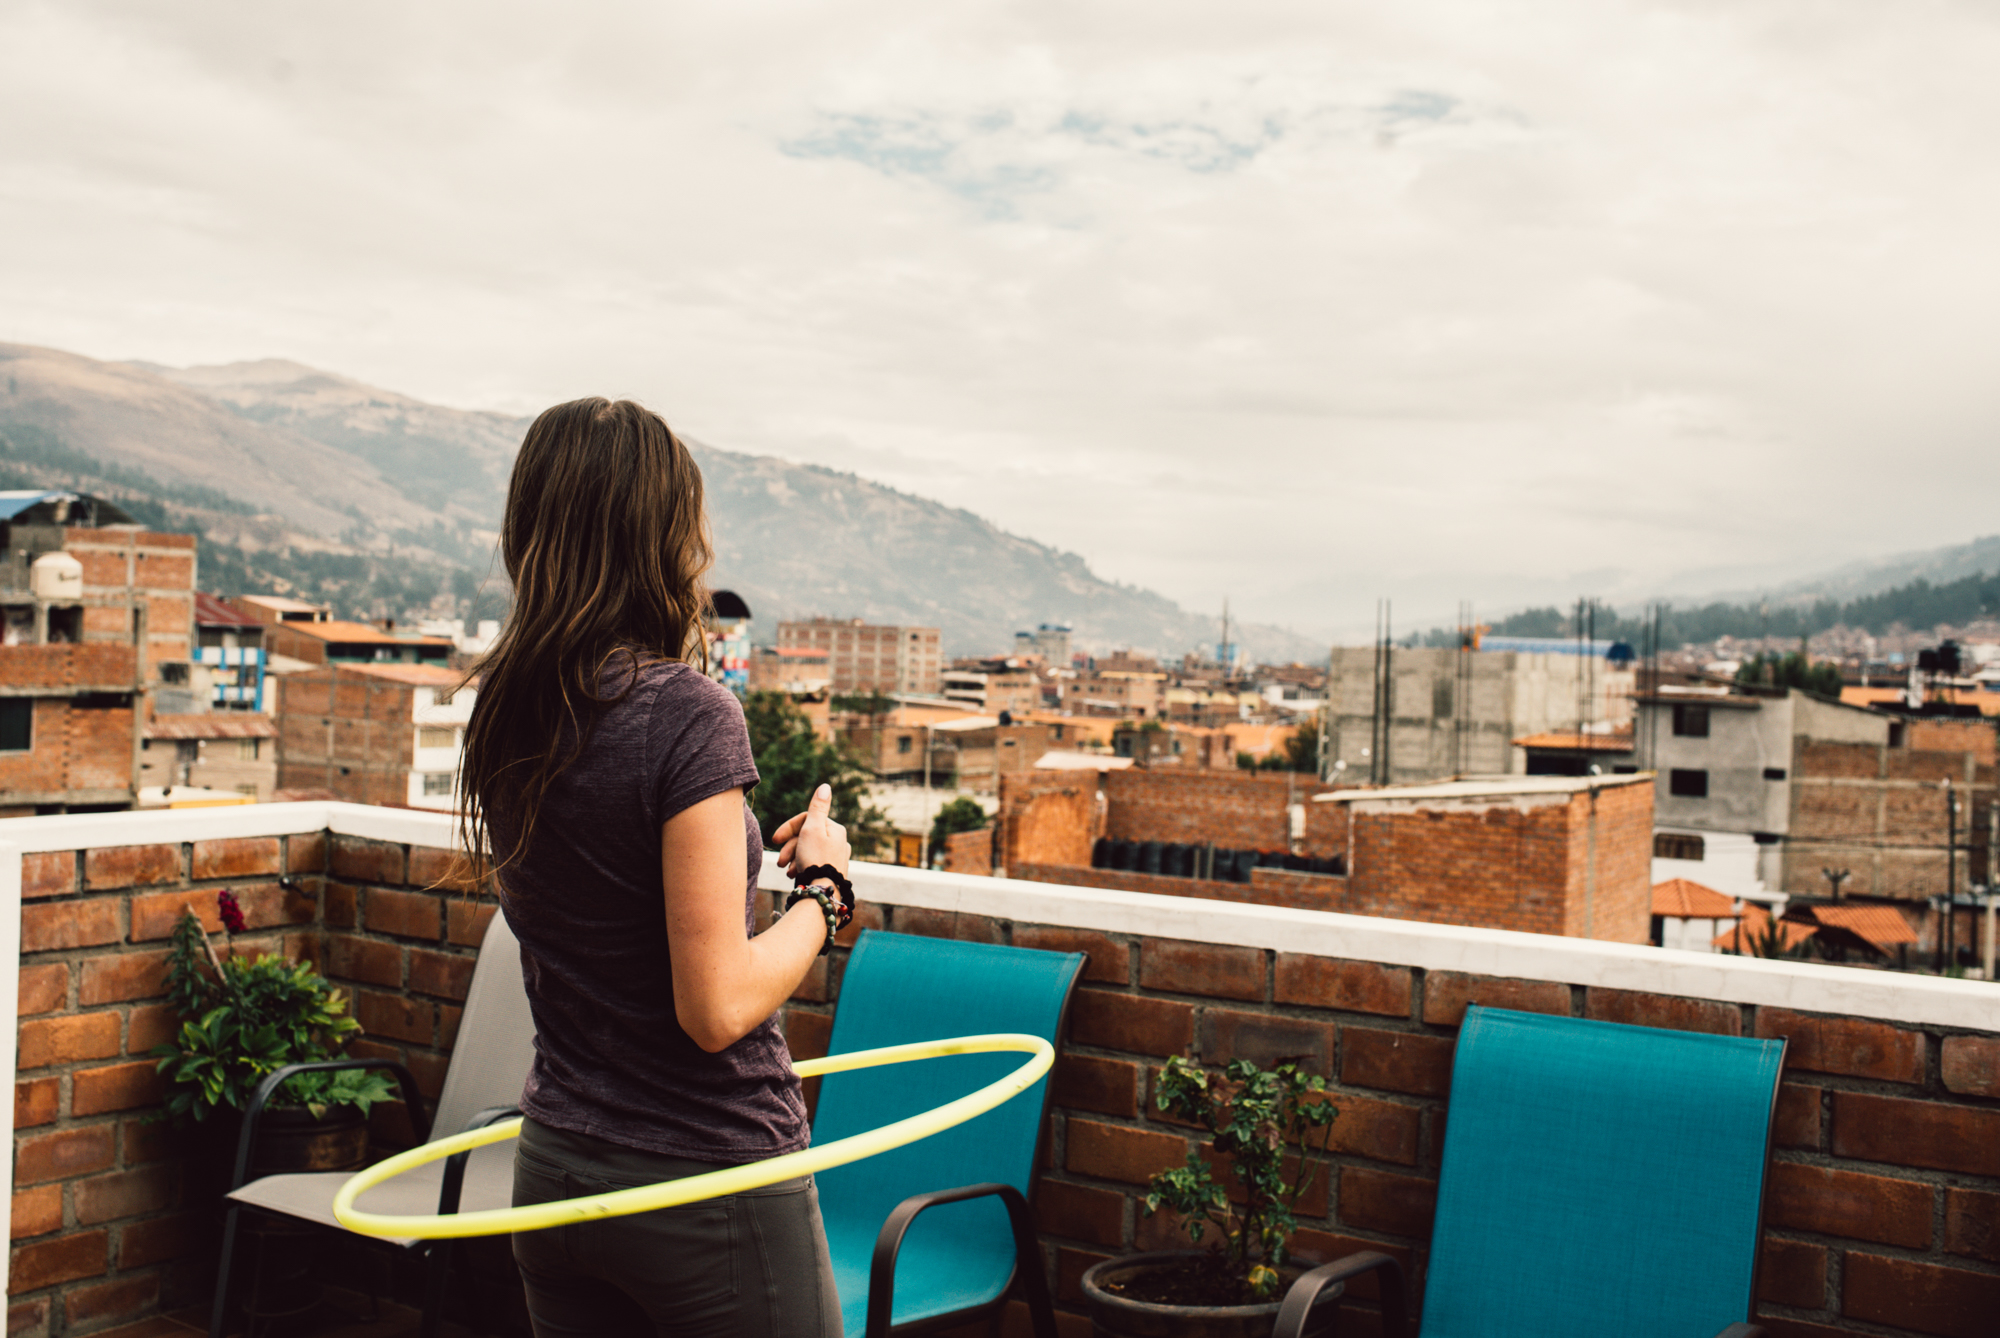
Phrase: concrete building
(232, 751)
(230, 645)
(1725, 764)
(864, 657)
(793, 670)
(1051, 641)
(993, 686)
(1443, 712)
(374, 733)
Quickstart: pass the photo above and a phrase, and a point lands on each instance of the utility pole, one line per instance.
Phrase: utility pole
(1837, 877)
(924, 837)
(1947, 939)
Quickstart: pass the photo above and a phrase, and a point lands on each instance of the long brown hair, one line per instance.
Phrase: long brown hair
(606, 541)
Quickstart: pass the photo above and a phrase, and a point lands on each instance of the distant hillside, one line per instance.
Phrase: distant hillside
(384, 505)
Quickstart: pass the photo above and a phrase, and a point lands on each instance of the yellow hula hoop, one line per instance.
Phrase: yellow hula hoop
(712, 1184)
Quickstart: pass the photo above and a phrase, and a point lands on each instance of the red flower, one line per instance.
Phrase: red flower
(232, 914)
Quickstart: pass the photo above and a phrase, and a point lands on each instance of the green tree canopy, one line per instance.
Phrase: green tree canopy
(1792, 671)
(793, 763)
(960, 815)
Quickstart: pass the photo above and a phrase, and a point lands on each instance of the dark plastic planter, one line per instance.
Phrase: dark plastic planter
(1115, 1316)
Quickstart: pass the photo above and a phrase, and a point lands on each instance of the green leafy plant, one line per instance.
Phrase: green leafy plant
(1252, 1116)
(245, 1018)
(792, 763)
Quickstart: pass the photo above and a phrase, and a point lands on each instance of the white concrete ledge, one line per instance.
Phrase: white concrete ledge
(1808, 986)
(1811, 987)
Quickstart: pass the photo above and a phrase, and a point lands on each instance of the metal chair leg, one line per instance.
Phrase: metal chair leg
(220, 1312)
(437, 1281)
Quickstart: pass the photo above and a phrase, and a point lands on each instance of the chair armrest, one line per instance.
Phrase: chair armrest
(1027, 1255)
(453, 1183)
(1309, 1291)
(1742, 1331)
(261, 1097)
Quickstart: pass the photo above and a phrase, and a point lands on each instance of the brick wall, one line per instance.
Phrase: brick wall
(1576, 864)
(348, 732)
(106, 1225)
(1231, 810)
(1047, 818)
(969, 852)
(1880, 813)
(1884, 1206)
(1884, 1212)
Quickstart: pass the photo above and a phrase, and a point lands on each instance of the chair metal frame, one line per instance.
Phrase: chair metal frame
(1312, 1301)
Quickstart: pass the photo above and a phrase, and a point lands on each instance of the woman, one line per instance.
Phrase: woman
(606, 776)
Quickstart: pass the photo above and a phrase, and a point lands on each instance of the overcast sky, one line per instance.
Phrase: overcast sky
(1298, 303)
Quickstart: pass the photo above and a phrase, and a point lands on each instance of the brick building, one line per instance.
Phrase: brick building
(865, 657)
(69, 728)
(386, 734)
(1549, 855)
(96, 614)
(231, 751)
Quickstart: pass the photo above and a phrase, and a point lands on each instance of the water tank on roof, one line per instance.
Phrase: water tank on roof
(56, 576)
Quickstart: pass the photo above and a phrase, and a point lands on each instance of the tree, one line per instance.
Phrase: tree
(793, 763)
(864, 703)
(1793, 670)
(960, 815)
(1300, 753)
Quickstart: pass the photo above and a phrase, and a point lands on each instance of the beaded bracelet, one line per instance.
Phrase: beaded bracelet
(829, 905)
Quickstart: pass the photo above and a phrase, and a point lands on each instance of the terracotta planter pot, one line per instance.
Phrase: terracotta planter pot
(290, 1139)
(1116, 1316)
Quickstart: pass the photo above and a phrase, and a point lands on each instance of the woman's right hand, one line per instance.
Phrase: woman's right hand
(813, 837)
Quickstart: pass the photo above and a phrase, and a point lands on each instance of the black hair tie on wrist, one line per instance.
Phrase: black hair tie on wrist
(837, 905)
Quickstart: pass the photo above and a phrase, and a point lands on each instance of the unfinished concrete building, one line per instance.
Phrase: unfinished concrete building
(1441, 712)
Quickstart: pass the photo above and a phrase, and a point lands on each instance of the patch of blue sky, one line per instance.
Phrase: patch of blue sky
(926, 147)
(1415, 104)
(1190, 144)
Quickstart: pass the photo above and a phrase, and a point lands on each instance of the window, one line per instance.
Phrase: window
(246, 751)
(437, 782)
(1687, 784)
(247, 788)
(1676, 845)
(17, 724)
(1691, 722)
(436, 736)
(443, 696)
(1774, 773)
(902, 743)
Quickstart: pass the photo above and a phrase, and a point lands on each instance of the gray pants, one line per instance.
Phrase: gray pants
(752, 1265)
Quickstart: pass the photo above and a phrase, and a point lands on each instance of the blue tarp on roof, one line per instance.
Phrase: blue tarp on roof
(1615, 651)
(14, 503)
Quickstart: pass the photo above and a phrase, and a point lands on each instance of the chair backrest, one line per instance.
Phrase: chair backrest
(900, 988)
(496, 1037)
(1599, 1178)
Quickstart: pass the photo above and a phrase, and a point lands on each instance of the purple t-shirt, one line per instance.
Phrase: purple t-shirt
(587, 901)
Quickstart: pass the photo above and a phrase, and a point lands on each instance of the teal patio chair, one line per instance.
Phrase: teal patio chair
(937, 1232)
(1598, 1179)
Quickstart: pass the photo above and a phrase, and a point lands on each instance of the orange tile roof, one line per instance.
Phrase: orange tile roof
(364, 632)
(421, 675)
(1882, 926)
(1750, 929)
(1620, 742)
(1683, 899)
(213, 725)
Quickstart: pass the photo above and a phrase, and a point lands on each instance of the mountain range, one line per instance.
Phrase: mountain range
(305, 482)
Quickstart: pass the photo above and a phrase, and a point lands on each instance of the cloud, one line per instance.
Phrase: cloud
(1299, 304)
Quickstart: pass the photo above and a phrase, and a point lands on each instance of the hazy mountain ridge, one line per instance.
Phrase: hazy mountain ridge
(395, 500)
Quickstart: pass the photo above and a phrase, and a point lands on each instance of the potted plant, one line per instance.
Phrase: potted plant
(245, 1017)
(1232, 1288)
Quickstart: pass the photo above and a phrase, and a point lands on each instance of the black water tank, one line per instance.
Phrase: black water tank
(1121, 855)
(1149, 857)
(1100, 853)
(1297, 863)
(1180, 860)
(1246, 860)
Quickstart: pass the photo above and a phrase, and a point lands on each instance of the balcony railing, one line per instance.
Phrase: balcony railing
(1884, 1206)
